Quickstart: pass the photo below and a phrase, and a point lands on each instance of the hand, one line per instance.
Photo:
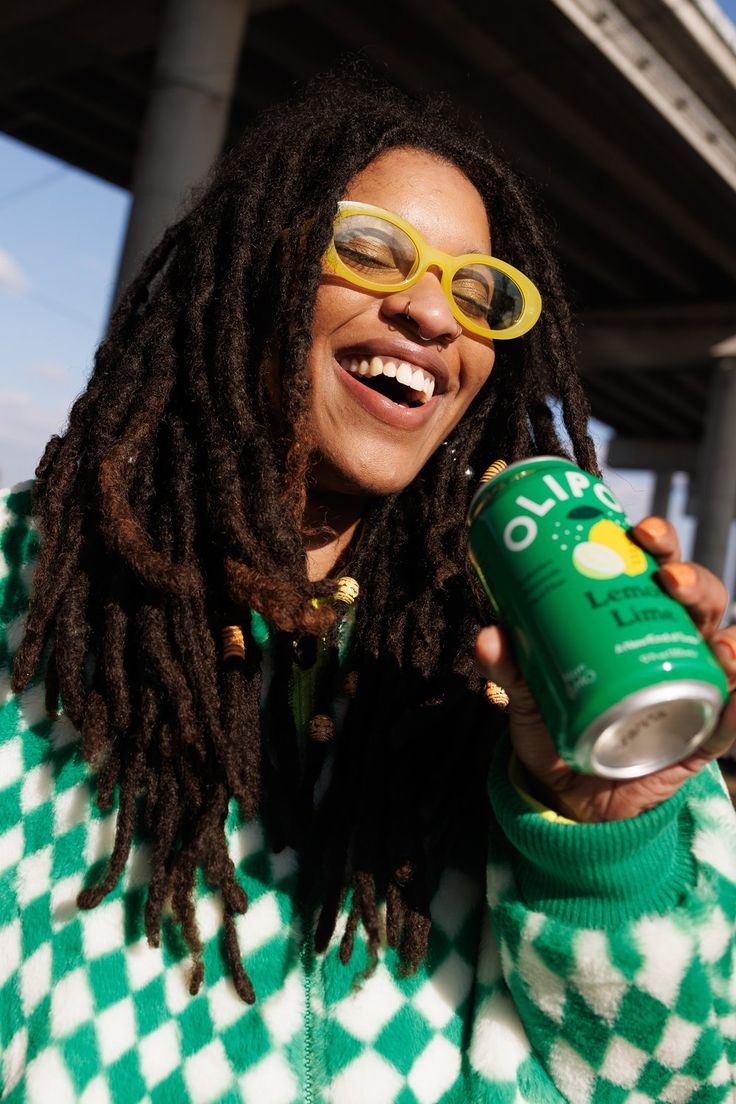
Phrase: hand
(588, 798)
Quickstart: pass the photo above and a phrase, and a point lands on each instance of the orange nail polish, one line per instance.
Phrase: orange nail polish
(684, 575)
(654, 527)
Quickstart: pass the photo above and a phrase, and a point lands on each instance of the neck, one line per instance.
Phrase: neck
(331, 521)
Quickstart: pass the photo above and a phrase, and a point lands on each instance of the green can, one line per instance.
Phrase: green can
(620, 673)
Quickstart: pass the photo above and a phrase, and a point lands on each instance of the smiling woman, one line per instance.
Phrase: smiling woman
(376, 439)
(241, 623)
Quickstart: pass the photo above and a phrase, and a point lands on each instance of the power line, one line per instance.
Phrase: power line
(35, 186)
(61, 309)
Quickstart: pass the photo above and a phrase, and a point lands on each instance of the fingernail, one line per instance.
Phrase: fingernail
(725, 649)
(684, 575)
(489, 641)
(654, 527)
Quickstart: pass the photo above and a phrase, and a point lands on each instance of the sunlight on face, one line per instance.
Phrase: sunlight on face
(368, 442)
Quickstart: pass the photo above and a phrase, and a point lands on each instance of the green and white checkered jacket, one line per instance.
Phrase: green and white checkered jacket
(587, 963)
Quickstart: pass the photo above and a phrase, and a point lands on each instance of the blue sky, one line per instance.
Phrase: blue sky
(60, 236)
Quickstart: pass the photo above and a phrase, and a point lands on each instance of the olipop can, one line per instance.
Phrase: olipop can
(621, 675)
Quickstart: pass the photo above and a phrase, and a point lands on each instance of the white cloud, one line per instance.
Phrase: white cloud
(12, 276)
(25, 427)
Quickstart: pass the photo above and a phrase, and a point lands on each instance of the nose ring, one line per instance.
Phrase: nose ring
(414, 322)
(423, 337)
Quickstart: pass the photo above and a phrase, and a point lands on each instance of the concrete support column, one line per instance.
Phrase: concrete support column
(660, 503)
(717, 476)
(186, 117)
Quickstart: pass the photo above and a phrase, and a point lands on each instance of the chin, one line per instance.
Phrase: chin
(382, 487)
(367, 480)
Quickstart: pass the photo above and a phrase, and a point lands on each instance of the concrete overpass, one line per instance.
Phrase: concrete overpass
(622, 111)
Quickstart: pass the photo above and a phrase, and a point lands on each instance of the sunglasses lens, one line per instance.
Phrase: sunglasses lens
(375, 249)
(487, 296)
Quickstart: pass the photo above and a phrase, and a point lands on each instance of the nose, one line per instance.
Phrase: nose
(429, 315)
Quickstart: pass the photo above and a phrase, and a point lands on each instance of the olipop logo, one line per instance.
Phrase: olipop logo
(523, 529)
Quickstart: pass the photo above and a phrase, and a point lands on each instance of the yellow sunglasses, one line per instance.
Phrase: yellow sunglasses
(378, 250)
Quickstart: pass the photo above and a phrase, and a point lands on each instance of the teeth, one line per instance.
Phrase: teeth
(404, 374)
(416, 379)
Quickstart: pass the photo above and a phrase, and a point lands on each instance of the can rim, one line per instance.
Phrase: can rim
(695, 692)
(512, 471)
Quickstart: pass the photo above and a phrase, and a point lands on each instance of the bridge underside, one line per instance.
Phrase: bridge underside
(621, 116)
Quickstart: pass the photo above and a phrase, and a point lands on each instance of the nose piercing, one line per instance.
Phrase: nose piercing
(423, 337)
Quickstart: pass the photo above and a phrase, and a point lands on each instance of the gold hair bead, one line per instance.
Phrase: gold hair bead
(347, 590)
(495, 469)
(350, 685)
(321, 728)
(233, 642)
(496, 695)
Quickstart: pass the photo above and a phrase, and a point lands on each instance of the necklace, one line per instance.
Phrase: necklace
(313, 704)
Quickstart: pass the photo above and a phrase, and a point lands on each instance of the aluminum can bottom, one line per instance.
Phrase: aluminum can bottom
(649, 729)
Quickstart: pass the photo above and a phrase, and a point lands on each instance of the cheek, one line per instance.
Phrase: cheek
(335, 307)
(478, 368)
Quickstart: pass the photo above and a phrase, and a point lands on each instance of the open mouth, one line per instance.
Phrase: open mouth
(402, 383)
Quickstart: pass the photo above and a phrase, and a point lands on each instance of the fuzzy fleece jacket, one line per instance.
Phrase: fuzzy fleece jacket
(583, 963)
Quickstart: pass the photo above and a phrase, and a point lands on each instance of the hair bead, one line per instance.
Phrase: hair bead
(496, 695)
(495, 469)
(321, 728)
(347, 590)
(233, 642)
(350, 685)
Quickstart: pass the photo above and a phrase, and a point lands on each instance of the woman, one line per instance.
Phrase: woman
(261, 873)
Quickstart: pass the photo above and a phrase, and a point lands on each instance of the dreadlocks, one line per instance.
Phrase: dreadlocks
(174, 503)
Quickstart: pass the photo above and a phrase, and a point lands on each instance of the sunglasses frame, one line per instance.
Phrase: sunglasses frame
(449, 266)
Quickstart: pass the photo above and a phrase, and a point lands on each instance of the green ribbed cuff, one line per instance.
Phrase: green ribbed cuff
(594, 875)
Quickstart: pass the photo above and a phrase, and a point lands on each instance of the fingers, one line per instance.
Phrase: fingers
(724, 647)
(497, 662)
(719, 741)
(530, 739)
(659, 537)
(494, 655)
(701, 592)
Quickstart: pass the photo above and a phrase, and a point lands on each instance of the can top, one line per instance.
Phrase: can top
(512, 472)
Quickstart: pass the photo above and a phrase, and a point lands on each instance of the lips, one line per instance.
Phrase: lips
(392, 407)
(398, 351)
(384, 409)
(408, 384)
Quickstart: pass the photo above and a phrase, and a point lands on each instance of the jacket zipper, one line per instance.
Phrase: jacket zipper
(308, 962)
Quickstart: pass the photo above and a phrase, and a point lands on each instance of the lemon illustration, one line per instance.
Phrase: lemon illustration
(612, 536)
(597, 561)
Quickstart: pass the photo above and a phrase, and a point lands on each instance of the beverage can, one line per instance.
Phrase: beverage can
(622, 676)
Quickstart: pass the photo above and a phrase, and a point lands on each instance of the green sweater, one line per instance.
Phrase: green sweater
(586, 963)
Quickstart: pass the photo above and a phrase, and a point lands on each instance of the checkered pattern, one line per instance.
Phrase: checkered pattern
(645, 1011)
(511, 1005)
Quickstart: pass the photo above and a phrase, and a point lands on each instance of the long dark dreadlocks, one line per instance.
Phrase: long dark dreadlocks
(174, 503)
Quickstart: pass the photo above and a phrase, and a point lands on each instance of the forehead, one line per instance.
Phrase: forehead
(432, 194)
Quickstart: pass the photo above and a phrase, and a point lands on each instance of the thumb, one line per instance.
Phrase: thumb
(497, 661)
